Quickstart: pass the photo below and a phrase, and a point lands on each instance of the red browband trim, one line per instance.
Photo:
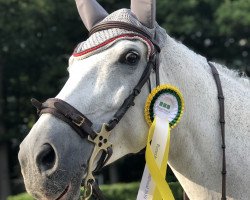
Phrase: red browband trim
(111, 40)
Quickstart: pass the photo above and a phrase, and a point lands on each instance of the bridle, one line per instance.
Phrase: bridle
(83, 126)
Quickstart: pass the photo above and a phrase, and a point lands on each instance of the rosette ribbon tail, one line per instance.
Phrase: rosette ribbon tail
(153, 185)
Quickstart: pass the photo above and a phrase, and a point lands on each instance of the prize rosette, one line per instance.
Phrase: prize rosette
(165, 101)
(163, 110)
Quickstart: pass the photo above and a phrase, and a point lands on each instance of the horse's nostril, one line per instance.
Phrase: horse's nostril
(46, 158)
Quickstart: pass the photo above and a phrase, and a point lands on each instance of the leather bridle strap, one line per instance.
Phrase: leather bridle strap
(67, 113)
(75, 119)
(129, 101)
(153, 63)
(222, 123)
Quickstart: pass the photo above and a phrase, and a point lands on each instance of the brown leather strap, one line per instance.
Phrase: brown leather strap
(222, 124)
(129, 101)
(67, 113)
(152, 64)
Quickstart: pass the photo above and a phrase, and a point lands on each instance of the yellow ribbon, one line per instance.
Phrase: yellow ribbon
(162, 191)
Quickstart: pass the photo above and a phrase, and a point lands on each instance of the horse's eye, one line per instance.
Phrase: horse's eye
(131, 58)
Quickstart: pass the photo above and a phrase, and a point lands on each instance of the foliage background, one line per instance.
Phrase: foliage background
(124, 191)
(37, 38)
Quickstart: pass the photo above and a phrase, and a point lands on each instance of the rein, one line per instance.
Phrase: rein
(222, 124)
(83, 126)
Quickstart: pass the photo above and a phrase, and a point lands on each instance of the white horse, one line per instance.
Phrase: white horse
(54, 158)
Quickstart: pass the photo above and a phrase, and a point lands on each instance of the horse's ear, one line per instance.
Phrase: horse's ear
(145, 11)
(91, 12)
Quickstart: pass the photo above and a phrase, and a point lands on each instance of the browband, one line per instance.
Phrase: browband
(125, 26)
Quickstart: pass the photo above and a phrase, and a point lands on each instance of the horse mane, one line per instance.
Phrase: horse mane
(175, 46)
(236, 74)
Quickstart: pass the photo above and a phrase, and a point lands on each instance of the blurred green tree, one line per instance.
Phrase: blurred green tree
(36, 39)
(219, 30)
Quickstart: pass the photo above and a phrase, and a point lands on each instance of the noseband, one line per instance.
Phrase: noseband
(83, 126)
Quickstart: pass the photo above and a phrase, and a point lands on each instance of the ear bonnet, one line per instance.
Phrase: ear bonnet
(93, 14)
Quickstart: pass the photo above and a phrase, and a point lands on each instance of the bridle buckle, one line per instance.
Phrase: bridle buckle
(79, 121)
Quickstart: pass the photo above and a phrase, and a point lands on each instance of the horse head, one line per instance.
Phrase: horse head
(103, 71)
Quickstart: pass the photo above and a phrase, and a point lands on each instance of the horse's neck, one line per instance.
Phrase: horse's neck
(195, 154)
